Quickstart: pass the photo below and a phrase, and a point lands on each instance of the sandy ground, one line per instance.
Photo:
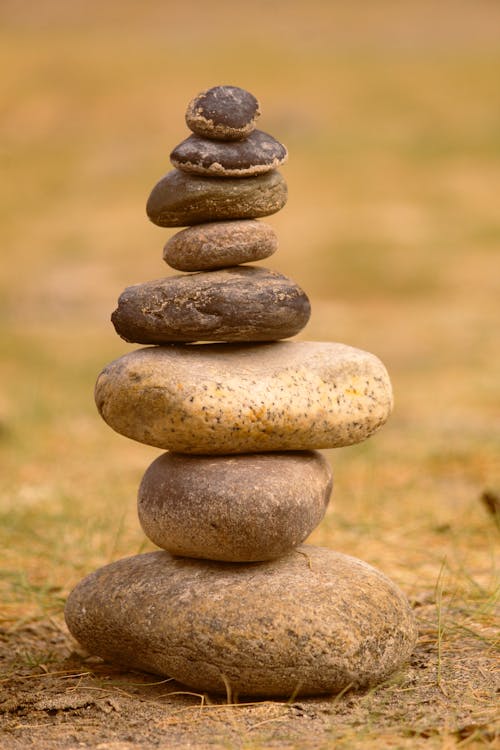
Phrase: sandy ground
(76, 701)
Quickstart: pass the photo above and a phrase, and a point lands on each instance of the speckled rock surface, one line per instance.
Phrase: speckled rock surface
(257, 154)
(243, 303)
(181, 199)
(221, 244)
(312, 622)
(223, 112)
(234, 508)
(229, 398)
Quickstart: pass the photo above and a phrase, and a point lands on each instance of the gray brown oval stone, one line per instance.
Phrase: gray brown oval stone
(230, 398)
(256, 154)
(223, 112)
(243, 303)
(235, 508)
(220, 244)
(181, 199)
(314, 621)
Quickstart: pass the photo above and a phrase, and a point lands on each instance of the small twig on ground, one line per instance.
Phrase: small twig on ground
(440, 627)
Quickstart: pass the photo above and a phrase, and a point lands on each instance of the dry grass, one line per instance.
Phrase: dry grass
(390, 113)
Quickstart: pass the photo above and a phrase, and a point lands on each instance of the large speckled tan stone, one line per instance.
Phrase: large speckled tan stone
(180, 199)
(312, 622)
(230, 398)
(236, 508)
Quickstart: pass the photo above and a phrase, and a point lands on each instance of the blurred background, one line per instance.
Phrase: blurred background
(391, 114)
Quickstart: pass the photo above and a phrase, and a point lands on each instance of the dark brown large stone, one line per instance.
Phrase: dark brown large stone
(235, 508)
(243, 303)
(257, 154)
(180, 199)
(312, 622)
(223, 112)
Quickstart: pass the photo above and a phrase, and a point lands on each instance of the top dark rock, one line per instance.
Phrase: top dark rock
(225, 113)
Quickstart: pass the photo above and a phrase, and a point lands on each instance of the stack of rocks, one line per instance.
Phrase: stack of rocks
(234, 602)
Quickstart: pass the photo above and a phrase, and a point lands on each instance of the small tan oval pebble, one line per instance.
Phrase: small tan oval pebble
(220, 244)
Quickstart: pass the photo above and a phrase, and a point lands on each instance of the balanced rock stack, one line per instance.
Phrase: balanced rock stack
(234, 602)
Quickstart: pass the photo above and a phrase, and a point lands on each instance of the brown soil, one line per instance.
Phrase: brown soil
(55, 697)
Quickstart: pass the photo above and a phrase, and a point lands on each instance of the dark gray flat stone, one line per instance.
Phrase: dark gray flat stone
(256, 154)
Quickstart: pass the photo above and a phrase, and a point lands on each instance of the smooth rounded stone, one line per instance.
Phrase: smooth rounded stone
(315, 621)
(228, 398)
(206, 247)
(180, 199)
(223, 112)
(243, 303)
(257, 154)
(235, 508)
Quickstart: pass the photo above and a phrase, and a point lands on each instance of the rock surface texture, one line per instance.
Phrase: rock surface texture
(225, 113)
(218, 399)
(237, 508)
(232, 603)
(233, 304)
(257, 154)
(315, 621)
(181, 199)
(205, 247)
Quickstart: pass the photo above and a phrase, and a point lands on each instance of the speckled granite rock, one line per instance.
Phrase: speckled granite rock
(181, 199)
(223, 112)
(312, 622)
(206, 247)
(234, 508)
(229, 398)
(243, 303)
(257, 154)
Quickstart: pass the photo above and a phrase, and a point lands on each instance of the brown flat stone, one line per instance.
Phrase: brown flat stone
(220, 244)
(234, 508)
(223, 112)
(256, 154)
(243, 303)
(180, 199)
